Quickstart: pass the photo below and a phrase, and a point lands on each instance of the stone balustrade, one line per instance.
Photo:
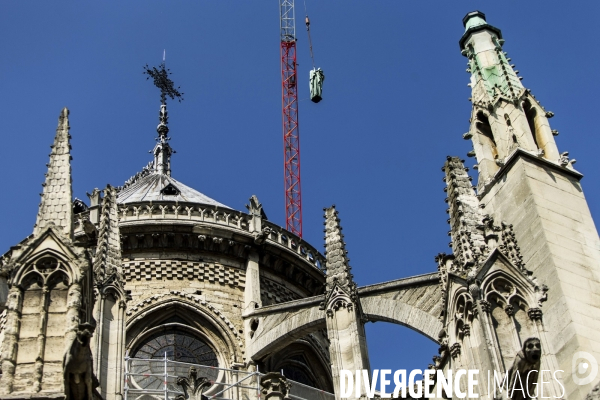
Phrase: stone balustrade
(223, 217)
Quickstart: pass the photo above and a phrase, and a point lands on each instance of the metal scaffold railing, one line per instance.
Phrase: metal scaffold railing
(163, 379)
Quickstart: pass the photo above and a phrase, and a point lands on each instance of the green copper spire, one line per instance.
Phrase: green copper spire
(474, 19)
(492, 76)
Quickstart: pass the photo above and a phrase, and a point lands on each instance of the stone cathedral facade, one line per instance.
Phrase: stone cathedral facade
(154, 269)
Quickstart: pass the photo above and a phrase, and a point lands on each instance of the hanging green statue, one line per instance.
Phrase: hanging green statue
(316, 84)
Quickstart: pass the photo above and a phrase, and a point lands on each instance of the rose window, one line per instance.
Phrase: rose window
(181, 348)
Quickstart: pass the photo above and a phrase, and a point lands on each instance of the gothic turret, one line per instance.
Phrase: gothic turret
(505, 115)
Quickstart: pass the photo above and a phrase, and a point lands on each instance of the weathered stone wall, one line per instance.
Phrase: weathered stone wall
(215, 283)
(559, 243)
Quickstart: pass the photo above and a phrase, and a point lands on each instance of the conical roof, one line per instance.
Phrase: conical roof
(161, 187)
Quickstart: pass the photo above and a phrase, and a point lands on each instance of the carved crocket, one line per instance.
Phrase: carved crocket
(79, 380)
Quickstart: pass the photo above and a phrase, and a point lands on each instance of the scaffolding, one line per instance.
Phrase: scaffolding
(156, 379)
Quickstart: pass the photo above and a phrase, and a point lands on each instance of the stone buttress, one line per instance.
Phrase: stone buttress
(110, 306)
(492, 301)
(345, 325)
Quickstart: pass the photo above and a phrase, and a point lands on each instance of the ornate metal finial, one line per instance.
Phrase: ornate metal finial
(162, 151)
(163, 82)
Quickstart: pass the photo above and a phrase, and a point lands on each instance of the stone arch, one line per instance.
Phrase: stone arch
(522, 290)
(112, 290)
(510, 298)
(462, 313)
(31, 266)
(383, 309)
(277, 330)
(398, 302)
(531, 115)
(196, 313)
(484, 129)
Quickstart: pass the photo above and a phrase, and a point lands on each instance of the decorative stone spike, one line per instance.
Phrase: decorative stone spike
(338, 263)
(56, 206)
(465, 216)
(107, 261)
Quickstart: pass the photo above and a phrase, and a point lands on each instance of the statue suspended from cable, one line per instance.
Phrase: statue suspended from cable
(316, 84)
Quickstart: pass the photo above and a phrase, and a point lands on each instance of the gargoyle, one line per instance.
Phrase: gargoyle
(523, 375)
(79, 380)
(193, 386)
(262, 236)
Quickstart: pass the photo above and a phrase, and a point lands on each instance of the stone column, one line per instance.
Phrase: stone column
(11, 338)
(548, 361)
(251, 293)
(484, 310)
(99, 334)
(41, 340)
(74, 298)
(120, 347)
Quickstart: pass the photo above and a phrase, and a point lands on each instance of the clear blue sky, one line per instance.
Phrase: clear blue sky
(395, 105)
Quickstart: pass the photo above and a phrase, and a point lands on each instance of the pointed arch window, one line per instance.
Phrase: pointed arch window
(531, 114)
(485, 131)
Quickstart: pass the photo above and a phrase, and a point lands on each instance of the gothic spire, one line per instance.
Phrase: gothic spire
(56, 204)
(492, 75)
(506, 117)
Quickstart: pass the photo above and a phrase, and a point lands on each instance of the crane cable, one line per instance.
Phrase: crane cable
(309, 39)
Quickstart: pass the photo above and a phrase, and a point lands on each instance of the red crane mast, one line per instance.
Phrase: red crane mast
(291, 133)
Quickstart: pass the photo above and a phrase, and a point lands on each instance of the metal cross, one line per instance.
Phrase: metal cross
(163, 82)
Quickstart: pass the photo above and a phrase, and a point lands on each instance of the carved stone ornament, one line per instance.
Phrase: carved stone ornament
(466, 330)
(535, 314)
(510, 310)
(261, 237)
(523, 374)
(192, 385)
(541, 293)
(79, 380)
(337, 300)
(563, 160)
(255, 207)
(455, 350)
(486, 306)
(443, 340)
(275, 386)
(474, 288)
